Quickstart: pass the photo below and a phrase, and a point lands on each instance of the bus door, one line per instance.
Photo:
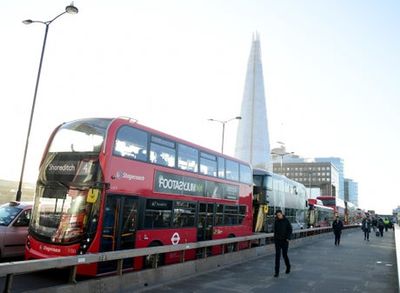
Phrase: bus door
(119, 228)
(205, 221)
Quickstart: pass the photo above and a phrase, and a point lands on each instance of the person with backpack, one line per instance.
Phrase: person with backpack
(381, 226)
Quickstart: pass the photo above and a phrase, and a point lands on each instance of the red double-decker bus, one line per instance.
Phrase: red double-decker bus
(336, 203)
(113, 184)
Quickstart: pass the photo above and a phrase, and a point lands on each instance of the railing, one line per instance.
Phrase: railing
(397, 248)
(22, 267)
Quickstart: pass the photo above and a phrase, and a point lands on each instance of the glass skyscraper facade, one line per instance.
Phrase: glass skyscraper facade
(252, 139)
(351, 191)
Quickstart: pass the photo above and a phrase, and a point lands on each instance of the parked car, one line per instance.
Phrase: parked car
(14, 222)
(298, 225)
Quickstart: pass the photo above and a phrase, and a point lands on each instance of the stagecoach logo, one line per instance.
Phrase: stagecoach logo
(49, 249)
(124, 175)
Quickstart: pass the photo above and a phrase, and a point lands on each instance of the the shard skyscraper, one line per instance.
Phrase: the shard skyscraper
(252, 139)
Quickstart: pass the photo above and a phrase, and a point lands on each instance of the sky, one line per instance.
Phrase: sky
(331, 74)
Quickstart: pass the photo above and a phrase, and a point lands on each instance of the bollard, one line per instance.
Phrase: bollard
(182, 258)
(7, 287)
(120, 263)
(72, 275)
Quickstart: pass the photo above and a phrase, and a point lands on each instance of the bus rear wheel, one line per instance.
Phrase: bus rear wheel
(231, 246)
(153, 261)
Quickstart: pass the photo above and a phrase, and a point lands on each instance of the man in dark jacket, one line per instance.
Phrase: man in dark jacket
(366, 227)
(282, 234)
(337, 227)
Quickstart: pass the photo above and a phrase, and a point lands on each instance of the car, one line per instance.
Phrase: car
(14, 222)
(298, 225)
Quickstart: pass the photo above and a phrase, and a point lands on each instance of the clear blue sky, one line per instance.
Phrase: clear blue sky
(331, 72)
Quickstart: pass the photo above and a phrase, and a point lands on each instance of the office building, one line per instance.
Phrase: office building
(320, 178)
(351, 191)
(339, 164)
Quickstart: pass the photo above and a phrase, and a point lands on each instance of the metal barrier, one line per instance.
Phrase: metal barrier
(397, 248)
(22, 267)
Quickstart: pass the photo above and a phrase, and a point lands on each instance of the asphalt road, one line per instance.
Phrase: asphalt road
(354, 266)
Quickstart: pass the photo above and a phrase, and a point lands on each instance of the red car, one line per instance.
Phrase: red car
(14, 222)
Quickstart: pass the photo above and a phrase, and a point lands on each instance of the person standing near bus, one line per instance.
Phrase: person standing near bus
(337, 227)
(366, 227)
(282, 233)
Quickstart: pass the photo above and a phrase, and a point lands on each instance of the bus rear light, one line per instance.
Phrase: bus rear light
(28, 244)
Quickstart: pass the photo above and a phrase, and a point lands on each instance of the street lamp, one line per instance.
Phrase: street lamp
(223, 122)
(71, 9)
(282, 155)
(310, 173)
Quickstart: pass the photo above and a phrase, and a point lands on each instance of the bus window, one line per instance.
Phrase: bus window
(232, 170)
(219, 216)
(242, 213)
(205, 221)
(221, 167)
(184, 214)
(131, 143)
(208, 164)
(268, 182)
(158, 213)
(257, 180)
(231, 215)
(162, 152)
(188, 158)
(245, 174)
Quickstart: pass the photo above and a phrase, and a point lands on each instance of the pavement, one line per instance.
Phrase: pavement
(354, 266)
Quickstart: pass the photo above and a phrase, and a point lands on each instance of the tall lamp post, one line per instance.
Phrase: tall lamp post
(71, 9)
(223, 122)
(282, 155)
(310, 173)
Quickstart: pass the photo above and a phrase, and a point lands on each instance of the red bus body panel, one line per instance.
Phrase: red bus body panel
(135, 178)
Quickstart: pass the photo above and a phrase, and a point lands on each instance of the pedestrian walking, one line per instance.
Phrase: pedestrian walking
(374, 223)
(387, 223)
(337, 227)
(282, 233)
(366, 227)
(381, 226)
